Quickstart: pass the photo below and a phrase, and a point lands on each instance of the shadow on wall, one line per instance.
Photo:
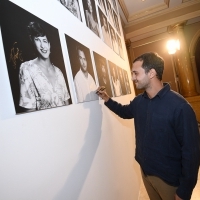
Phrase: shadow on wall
(76, 179)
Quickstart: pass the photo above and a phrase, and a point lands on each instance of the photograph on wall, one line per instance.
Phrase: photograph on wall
(72, 6)
(127, 83)
(102, 5)
(114, 5)
(109, 10)
(34, 60)
(82, 70)
(120, 46)
(102, 72)
(121, 80)
(114, 39)
(104, 29)
(91, 16)
(114, 79)
(116, 22)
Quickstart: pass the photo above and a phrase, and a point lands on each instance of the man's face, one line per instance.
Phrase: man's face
(139, 77)
(82, 61)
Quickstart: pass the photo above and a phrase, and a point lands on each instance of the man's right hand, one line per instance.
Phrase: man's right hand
(101, 92)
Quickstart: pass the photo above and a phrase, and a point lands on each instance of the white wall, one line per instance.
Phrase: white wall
(77, 152)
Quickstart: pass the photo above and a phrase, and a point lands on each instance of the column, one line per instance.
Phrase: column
(184, 66)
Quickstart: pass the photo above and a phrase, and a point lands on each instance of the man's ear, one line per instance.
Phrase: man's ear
(152, 73)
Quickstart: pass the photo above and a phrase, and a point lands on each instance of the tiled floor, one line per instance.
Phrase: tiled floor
(195, 195)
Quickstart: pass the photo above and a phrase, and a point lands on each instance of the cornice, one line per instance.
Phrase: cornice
(124, 9)
(162, 24)
(148, 11)
(161, 13)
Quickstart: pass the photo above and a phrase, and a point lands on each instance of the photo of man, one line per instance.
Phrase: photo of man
(114, 40)
(128, 88)
(102, 72)
(104, 28)
(120, 47)
(91, 16)
(121, 79)
(115, 79)
(82, 71)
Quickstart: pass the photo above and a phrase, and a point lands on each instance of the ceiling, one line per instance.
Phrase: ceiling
(145, 18)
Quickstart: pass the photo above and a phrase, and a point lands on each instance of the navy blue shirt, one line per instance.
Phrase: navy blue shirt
(167, 137)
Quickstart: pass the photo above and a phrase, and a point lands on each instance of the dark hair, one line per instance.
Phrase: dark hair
(79, 48)
(152, 60)
(35, 29)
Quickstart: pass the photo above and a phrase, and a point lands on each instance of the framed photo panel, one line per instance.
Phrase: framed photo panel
(102, 72)
(82, 70)
(34, 60)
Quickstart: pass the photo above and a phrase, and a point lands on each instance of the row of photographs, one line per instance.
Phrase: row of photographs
(108, 17)
(36, 67)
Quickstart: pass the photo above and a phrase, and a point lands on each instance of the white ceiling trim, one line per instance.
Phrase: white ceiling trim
(164, 12)
(148, 11)
(162, 24)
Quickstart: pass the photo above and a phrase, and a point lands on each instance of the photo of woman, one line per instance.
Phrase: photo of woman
(34, 59)
(42, 84)
(91, 16)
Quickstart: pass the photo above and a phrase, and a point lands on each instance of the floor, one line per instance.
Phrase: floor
(195, 195)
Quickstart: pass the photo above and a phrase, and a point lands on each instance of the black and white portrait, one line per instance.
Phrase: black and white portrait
(114, 79)
(72, 6)
(121, 80)
(116, 22)
(120, 46)
(114, 39)
(34, 60)
(91, 16)
(102, 72)
(126, 79)
(82, 70)
(102, 6)
(114, 5)
(110, 12)
(104, 28)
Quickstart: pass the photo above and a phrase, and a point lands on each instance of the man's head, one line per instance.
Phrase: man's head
(82, 59)
(146, 67)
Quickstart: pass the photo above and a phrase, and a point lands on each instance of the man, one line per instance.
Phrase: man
(84, 83)
(122, 83)
(167, 136)
(120, 47)
(115, 82)
(103, 76)
(114, 41)
(105, 31)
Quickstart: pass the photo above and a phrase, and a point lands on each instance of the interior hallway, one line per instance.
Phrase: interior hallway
(195, 195)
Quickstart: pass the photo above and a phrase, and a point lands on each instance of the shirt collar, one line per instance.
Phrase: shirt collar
(161, 93)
